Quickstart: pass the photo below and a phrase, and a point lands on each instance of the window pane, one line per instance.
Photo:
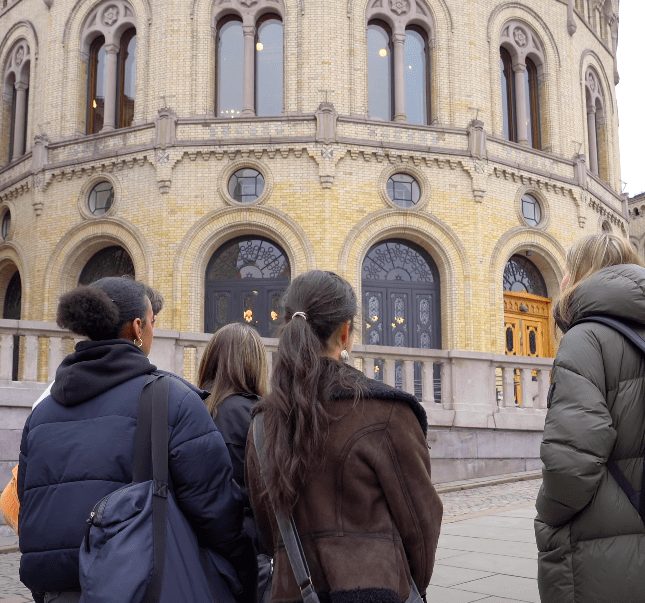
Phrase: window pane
(268, 68)
(416, 90)
(230, 67)
(97, 86)
(379, 72)
(111, 261)
(128, 65)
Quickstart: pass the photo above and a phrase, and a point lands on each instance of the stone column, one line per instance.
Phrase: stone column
(248, 99)
(593, 144)
(19, 123)
(109, 115)
(399, 77)
(520, 103)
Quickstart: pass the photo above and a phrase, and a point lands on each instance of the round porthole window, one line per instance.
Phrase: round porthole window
(101, 199)
(403, 190)
(6, 225)
(531, 210)
(246, 185)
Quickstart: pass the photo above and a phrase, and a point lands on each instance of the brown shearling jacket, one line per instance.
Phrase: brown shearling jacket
(370, 518)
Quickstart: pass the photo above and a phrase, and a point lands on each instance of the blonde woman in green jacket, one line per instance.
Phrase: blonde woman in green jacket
(591, 540)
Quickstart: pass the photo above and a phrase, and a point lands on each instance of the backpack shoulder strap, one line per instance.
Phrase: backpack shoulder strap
(287, 525)
(617, 325)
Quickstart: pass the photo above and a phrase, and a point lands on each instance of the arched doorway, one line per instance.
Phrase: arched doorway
(527, 310)
(401, 302)
(245, 280)
(11, 310)
(110, 261)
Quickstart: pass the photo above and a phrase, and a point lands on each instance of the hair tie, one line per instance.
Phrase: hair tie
(302, 314)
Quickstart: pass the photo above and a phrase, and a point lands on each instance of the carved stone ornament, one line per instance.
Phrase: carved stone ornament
(20, 55)
(111, 16)
(326, 118)
(592, 82)
(248, 2)
(520, 37)
(400, 7)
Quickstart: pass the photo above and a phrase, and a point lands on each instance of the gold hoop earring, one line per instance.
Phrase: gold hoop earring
(139, 340)
(344, 356)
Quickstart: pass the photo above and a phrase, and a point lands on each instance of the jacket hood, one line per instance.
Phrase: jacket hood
(616, 291)
(97, 366)
(376, 390)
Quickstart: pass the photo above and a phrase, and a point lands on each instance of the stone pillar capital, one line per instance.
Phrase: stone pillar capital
(111, 49)
(398, 38)
(21, 85)
(591, 109)
(519, 68)
(248, 30)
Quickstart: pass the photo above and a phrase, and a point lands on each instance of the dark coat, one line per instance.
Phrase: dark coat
(370, 517)
(591, 540)
(77, 446)
(233, 420)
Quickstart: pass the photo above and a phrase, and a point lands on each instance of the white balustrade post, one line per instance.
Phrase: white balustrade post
(178, 363)
(428, 382)
(269, 363)
(526, 379)
(508, 380)
(55, 356)
(447, 401)
(31, 358)
(544, 379)
(6, 356)
(408, 376)
(389, 371)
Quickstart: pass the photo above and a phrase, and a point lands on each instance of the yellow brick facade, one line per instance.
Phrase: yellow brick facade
(324, 203)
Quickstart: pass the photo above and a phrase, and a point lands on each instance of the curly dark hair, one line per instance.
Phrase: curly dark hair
(99, 311)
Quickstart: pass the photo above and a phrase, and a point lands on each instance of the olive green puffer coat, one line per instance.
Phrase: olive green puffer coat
(591, 540)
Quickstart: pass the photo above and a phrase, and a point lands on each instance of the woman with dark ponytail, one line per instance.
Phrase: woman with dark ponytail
(77, 445)
(346, 456)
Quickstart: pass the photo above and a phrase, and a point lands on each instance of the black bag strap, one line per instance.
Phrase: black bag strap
(151, 444)
(637, 500)
(287, 526)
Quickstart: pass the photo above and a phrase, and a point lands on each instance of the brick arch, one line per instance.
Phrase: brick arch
(548, 68)
(447, 251)
(212, 231)
(80, 244)
(75, 66)
(546, 253)
(12, 259)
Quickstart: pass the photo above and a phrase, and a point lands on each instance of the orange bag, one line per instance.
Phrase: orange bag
(9, 502)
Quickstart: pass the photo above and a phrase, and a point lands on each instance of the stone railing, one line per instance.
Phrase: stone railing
(457, 388)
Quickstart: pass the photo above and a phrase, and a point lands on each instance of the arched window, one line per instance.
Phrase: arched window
(417, 76)
(16, 95)
(230, 67)
(126, 78)
(11, 310)
(399, 38)
(521, 63)
(401, 301)
(523, 276)
(110, 46)
(249, 58)
(110, 261)
(596, 124)
(96, 96)
(269, 65)
(379, 68)
(508, 94)
(245, 280)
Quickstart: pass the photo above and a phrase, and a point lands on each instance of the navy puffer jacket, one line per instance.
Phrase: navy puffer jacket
(77, 446)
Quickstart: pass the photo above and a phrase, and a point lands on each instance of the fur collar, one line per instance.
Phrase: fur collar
(376, 390)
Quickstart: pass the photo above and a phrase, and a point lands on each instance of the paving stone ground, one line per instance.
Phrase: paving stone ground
(477, 524)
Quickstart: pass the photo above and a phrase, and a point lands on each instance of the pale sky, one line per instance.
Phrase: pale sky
(631, 95)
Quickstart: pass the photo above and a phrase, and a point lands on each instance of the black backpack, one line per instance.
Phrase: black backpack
(638, 501)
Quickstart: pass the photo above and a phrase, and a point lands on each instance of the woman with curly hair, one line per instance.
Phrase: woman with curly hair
(78, 445)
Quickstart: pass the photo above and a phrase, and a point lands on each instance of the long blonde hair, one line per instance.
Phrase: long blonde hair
(234, 362)
(585, 258)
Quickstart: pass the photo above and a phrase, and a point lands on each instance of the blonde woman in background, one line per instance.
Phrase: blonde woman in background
(234, 369)
(591, 540)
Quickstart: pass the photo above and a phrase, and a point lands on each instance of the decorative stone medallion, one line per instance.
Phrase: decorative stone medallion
(592, 82)
(20, 55)
(520, 37)
(111, 16)
(400, 7)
